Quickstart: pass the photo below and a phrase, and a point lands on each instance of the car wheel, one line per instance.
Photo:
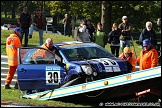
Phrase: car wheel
(89, 79)
(27, 92)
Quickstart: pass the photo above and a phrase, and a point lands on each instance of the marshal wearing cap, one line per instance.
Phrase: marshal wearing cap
(146, 42)
(17, 29)
(127, 50)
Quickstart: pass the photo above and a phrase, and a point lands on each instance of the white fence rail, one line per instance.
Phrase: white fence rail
(4, 71)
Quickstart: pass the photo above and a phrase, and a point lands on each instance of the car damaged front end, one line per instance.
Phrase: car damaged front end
(90, 62)
(95, 69)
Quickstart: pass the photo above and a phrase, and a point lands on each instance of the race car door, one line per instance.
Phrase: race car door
(37, 69)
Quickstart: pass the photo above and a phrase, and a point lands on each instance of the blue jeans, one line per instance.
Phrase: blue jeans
(32, 28)
(26, 31)
(125, 43)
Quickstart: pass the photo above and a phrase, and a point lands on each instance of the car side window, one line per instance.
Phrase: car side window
(37, 56)
(43, 56)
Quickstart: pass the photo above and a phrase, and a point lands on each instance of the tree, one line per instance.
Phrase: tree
(107, 12)
(106, 16)
(13, 10)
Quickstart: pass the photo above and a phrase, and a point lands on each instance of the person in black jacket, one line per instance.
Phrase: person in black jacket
(66, 21)
(91, 29)
(148, 33)
(24, 21)
(113, 39)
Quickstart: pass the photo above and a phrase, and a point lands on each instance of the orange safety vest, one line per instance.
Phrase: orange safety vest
(132, 60)
(148, 59)
(12, 43)
(42, 53)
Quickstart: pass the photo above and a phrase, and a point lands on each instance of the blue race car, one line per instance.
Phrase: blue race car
(75, 63)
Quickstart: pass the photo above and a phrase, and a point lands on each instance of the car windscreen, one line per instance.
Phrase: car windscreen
(86, 52)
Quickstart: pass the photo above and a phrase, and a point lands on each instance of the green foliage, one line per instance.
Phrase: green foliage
(138, 12)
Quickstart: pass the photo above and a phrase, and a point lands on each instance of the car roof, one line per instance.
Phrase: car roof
(72, 42)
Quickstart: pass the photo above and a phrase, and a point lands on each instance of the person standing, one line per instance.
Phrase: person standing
(159, 24)
(125, 28)
(24, 21)
(12, 44)
(130, 57)
(148, 33)
(66, 21)
(159, 46)
(113, 39)
(83, 34)
(100, 36)
(148, 57)
(39, 24)
(91, 29)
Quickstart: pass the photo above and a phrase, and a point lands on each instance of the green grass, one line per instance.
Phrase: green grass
(14, 96)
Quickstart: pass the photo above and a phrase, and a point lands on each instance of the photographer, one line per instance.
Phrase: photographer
(83, 34)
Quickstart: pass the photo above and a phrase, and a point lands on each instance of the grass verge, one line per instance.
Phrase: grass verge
(15, 96)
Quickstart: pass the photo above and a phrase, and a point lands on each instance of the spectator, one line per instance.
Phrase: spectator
(12, 43)
(91, 29)
(148, 57)
(24, 21)
(73, 21)
(100, 36)
(66, 21)
(158, 48)
(113, 39)
(148, 33)
(39, 24)
(83, 34)
(159, 24)
(125, 28)
(130, 57)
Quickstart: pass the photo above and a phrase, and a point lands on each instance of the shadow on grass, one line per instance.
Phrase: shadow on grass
(93, 100)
